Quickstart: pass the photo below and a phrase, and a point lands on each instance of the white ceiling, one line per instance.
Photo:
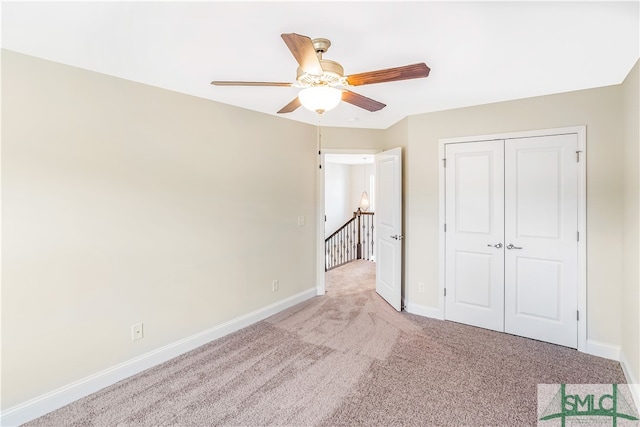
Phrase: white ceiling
(478, 52)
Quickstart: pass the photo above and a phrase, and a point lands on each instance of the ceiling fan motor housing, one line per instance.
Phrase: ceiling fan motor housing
(332, 75)
(332, 72)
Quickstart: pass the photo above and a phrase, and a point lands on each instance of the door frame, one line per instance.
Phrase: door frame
(581, 132)
(320, 188)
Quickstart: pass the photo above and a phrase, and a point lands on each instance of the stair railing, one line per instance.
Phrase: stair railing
(354, 240)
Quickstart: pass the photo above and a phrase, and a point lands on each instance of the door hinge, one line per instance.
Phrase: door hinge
(444, 163)
(578, 315)
(445, 292)
(445, 228)
(578, 156)
(578, 235)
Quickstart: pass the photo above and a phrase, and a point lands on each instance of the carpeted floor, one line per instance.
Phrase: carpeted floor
(346, 358)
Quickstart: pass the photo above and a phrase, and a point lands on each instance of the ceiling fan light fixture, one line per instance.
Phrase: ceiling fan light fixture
(320, 98)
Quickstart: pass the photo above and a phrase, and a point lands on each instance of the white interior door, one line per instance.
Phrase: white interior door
(541, 224)
(388, 219)
(474, 272)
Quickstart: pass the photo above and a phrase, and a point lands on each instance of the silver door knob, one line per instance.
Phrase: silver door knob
(510, 246)
(497, 245)
(396, 237)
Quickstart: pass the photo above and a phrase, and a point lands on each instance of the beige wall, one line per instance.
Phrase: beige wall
(630, 342)
(352, 138)
(600, 110)
(124, 203)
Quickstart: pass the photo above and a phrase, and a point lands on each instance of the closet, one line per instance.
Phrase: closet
(511, 235)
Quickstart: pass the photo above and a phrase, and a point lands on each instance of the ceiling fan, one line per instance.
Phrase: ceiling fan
(320, 78)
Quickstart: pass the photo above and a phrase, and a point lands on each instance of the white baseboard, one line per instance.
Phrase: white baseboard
(58, 398)
(602, 349)
(422, 310)
(632, 380)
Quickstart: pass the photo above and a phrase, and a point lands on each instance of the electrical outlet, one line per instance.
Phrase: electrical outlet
(420, 286)
(275, 285)
(136, 332)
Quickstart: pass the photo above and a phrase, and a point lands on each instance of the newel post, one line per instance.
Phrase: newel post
(359, 246)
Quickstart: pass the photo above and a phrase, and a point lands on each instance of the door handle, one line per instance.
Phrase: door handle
(497, 245)
(396, 237)
(510, 246)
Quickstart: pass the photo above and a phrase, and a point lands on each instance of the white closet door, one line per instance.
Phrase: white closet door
(541, 250)
(474, 237)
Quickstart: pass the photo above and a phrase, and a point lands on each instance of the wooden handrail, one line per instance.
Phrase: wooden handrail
(343, 226)
(355, 215)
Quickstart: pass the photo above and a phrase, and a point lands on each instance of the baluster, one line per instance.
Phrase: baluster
(356, 240)
(373, 240)
(368, 237)
(347, 244)
(348, 232)
(350, 246)
(354, 253)
(364, 239)
(351, 243)
(337, 250)
(326, 262)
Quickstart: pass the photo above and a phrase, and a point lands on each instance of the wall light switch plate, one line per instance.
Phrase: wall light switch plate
(301, 220)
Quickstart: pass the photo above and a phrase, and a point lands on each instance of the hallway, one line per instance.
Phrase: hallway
(356, 276)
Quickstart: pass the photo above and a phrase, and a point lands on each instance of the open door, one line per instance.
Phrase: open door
(388, 179)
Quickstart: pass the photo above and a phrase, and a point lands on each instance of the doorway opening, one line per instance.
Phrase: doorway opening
(388, 239)
(346, 226)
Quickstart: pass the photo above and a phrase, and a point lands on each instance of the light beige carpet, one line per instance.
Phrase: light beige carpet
(346, 358)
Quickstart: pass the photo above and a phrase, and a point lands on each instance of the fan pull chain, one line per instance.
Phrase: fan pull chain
(319, 137)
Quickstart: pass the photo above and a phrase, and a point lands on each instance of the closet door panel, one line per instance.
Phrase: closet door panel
(541, 179)
(474, 273)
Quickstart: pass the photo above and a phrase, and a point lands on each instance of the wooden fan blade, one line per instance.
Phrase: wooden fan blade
(292, 106)
(361, 101)
(231, 83)
(414, 71)
(302, 49)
